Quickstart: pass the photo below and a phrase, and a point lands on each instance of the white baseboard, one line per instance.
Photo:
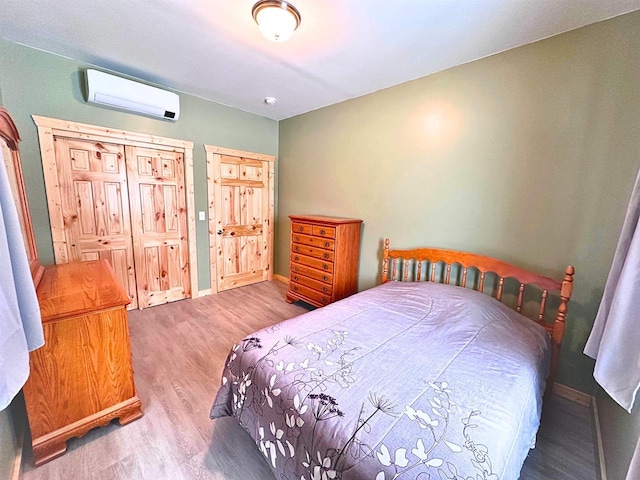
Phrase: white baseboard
(204, 293)
(587, 401)
(602, 469)
(17, 464)
(571, 394)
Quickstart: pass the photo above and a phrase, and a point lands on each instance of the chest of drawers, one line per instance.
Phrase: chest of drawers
(82, 377)
(324, 259)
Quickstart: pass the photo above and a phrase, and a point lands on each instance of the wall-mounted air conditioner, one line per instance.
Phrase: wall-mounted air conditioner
(118, 92)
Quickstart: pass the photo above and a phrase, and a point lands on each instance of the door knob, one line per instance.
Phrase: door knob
(219, 232)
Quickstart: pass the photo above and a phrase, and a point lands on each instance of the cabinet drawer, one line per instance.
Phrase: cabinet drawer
(313, 252)
(313, 241)
(301, 228)
(310, 282)
(321, 265)
(327, 232)
(323, 276)
(311, 294)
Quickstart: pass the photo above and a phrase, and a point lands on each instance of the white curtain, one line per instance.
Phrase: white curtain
(20, 323)
(615, 339)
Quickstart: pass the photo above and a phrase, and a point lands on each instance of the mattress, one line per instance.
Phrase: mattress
(405, 380)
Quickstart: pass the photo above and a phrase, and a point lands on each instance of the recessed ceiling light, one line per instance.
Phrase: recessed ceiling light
(277, 19)
(270, 100)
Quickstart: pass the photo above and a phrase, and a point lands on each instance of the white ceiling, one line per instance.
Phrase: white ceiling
(342, 49)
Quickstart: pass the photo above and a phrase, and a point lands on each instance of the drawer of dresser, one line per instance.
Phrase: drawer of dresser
(301, 228)
(313, 252)
(310, 293)
(327, 232)
(324, 266)
(323, 276)
(313, 241)
(310, 282)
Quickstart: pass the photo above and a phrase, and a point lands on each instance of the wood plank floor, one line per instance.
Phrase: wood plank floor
(179, 350)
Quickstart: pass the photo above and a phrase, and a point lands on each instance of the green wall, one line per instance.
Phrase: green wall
(35, 82)
(8, 444)
(620, 432)
(529, 155)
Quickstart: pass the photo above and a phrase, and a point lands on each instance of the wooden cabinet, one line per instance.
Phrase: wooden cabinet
(82, 377)
(324, 259)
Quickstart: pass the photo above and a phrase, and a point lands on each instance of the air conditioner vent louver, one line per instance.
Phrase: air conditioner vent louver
(118, 92)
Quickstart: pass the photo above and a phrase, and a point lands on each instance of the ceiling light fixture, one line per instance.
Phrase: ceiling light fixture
(277, 19)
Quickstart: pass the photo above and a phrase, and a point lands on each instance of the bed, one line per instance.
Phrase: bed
(429, 375)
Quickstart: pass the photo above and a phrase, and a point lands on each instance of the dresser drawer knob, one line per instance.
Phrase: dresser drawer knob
(296, 258)
(297, 239)
(297, 249)
(325, 289)
(324, 300)
(326, 256)
(323, 231)
(295, 269)
(326, 244)
(295, 288)
(301, 229)
(325, 266)
(325, 278)
(295, 278)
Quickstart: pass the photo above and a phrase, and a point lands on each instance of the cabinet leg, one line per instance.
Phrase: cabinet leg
(289, 299)
(48, 451)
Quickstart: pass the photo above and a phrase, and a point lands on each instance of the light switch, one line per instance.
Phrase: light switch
(201, 216)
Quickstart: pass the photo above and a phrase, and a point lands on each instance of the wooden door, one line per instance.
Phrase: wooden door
(159, 224)
(243, 220)
(95, 206)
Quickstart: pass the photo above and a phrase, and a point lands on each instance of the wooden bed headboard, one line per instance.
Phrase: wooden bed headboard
(407, 266)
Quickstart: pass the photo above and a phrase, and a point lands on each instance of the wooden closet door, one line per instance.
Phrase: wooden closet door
(159, 224)
(242, 199)
(95, 206)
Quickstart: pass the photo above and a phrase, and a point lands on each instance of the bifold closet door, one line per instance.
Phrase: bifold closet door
(159, 224)
(243, 216)
(94, 199)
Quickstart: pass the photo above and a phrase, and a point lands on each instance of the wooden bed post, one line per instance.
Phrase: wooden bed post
(385, 261)
(559, 325)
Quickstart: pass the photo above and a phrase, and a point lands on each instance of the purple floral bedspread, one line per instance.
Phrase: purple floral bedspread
(406, 380)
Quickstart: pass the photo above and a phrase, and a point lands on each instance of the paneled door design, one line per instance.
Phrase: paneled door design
(127, 197)
(158, 219)
(243, 199)
(95, 206)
